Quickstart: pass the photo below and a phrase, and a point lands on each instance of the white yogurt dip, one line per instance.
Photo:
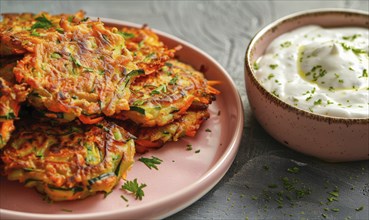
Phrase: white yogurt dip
(320, 70)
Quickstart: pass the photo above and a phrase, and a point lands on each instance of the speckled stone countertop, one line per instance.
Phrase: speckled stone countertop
(263, 182)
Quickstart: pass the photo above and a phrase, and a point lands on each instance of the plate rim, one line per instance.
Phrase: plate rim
(204, 184)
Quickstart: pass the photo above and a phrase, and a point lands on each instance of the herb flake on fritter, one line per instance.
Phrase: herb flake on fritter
(69, 161)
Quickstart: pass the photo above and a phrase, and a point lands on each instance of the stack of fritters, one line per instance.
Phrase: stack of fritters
(79, 98)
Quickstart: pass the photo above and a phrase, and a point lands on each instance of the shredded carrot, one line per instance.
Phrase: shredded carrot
(6, 127)
(16, 107)
(58, 107)
(88, 120)
(214, 82)
(186, 106)
(213, 90)
(191, 133)
(147, 143)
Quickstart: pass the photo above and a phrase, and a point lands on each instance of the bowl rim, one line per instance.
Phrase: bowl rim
(249, 71)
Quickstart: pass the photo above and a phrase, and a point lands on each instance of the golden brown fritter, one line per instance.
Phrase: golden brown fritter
(11, 95)
(156, 137)
(84, 73)
(161, 97)
(69, 161)
(20, 33)
(148, 52)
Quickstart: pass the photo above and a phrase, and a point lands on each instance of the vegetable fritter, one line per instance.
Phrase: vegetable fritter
(156, 137)
(11, 95)
(148, 52)
(19, 33)
(164, 96)
(85, 73)
(69, 161)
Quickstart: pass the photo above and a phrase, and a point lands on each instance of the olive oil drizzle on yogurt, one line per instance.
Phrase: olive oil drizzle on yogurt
(320, 70)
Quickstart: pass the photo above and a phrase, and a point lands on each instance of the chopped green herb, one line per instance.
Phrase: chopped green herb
(42, 22)
(286, 44)
(85, 19)
(207, 130)
(197, 151)
(66, 210)
(124, 198)
(351, 38)
(293, 170)
(365, 73)
(335, 209)
(135, 188)
(126, 35)
(256, 66)
(334, 193)
(151, 162)
(173, 81)
(273, 66)
(189, 147)
(275, 93)
(270, 76)
(318, 102)
(359, 209)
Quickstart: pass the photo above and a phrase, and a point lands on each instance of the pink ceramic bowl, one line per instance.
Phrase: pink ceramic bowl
(329, 138)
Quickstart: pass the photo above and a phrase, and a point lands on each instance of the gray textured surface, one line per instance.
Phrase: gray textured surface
(253, 187)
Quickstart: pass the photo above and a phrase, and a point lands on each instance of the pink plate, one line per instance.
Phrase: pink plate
(183, 177)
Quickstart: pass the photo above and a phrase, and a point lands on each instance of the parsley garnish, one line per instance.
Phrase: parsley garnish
(365, 73)
(126, 35)
(135, 188)
(286, 44)
(270, 76)
(42, 22)
(273, 66)
(189, 147)
(85, 19)
(293, 170)
(173, 81)
(256, 66)
(351, 38)
(124, 198)
(151, 162)
(359, 209)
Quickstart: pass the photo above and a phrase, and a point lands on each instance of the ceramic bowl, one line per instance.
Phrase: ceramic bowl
(329, 138)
